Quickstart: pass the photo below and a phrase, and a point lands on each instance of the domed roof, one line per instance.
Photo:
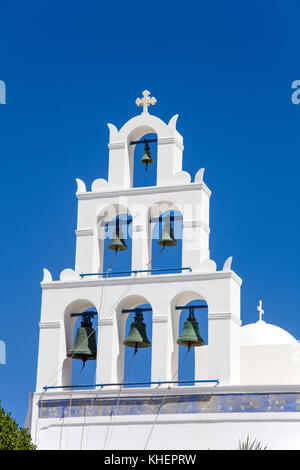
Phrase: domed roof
(265, 333)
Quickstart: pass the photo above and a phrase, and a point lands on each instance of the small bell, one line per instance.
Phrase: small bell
(167, 237)
(84, 347)
(118, 243)
(137, 337)
(190, 335)
(147, 158)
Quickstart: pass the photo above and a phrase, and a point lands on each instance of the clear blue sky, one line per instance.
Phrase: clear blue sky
(70, 67)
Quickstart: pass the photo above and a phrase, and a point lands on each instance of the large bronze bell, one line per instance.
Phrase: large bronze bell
(117, 242)
(190, 335)
(84, 347)
(167, 237)
(147, 158)
(137, 337)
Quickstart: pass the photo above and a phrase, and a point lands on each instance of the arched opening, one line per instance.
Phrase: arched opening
(134, 367)
(144, 161)
(195, 365)
(117, 254)
(84, 373)
(187, 364)
(79, 366)
(166, 257)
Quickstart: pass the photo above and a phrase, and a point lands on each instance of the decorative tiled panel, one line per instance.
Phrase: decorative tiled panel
(221, 403)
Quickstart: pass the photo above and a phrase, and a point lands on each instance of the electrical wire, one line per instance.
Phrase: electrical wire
(108, 313)
(70, 407)
(118, 402)
(127, 372)
(94, 397)
(102, 298)
(164, 399)
(112, 308)
(92, 332)
(100, 308)
(40, 400)
(155, 257)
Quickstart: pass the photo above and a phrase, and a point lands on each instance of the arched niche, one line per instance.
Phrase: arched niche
(105, 258)
(169, 151)
(185, 365)
(71, 367)
(142, 176)
(133, 368)
(139, 133)
(168, 257)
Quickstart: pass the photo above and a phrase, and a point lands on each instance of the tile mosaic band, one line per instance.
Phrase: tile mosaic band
(173, 404)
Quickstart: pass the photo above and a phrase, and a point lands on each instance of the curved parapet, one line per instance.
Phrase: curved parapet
(47, 277)
(99, 184)
(81, 188)
(207, 266)
(199, 175)
(227, 264)
(181, 177)
(113, 131)
(143, 123)
(173, 121)
(69, 275)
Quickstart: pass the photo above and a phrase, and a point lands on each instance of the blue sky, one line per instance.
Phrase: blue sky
(70, 67)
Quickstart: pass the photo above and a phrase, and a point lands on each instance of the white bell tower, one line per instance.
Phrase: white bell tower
(85, 287)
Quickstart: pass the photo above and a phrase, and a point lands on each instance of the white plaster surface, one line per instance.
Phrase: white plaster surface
(257, 354)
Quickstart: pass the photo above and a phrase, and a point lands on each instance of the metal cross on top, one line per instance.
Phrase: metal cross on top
(145, 101)
(260, 310)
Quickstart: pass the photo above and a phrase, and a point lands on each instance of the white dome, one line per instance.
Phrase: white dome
(265, 333)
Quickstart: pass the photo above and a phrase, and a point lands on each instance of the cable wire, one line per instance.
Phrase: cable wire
(107, 314)
(164, 399)
(118, 402)
(155, 257)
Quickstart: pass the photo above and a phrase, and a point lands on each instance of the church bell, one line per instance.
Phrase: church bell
(117, 242)
(147, 158)
(190, 335)
(137, 337)
(167, 237)
(84, 347)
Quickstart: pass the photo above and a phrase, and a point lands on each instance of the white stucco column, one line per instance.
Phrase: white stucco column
(223, 299)
(195, 226)
(169, 157)
(195, 244)
(50, 362)
(140, 244)
(119, 167)
(161, 346)
(224, 348)
(107, 351)
(84, 251)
